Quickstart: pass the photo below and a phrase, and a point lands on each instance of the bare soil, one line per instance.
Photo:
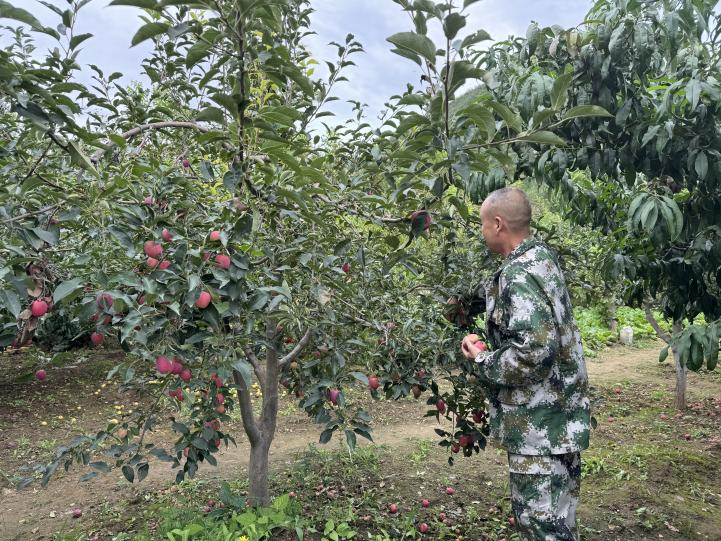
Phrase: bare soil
(35, 417)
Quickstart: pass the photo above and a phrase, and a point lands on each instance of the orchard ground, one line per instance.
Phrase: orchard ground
(651, 473)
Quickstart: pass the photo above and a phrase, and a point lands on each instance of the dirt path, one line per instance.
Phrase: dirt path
(36, 513)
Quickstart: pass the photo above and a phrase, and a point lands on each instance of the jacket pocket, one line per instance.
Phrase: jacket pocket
(515, 396)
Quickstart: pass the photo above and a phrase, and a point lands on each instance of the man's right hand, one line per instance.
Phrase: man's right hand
(456, 312)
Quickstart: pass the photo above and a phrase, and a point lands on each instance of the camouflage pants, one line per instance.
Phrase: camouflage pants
(544, 495)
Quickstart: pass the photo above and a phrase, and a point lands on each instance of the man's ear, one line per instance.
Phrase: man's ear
(498, 222)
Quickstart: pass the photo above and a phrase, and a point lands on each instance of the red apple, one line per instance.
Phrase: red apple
(291, 494)
(77, 513)
(39, 308)
(41, 375)
(346, 267)
(618, 390)
(316, 354)
(450, 491)
(164, 265)
(512, 521)
(223, 261)
(104, 301)
(421, 375)
(477, 417)
(465, 440)
(423, 527)
(148, 200)
(481, 345)
(220, 398)
(373, 382)
(333, 396)
(220, 408)
(441, 406)
(163, 365)
(610, 419)
(152, 249)
(141, 299)
(152, 262)
(96, 338)
(167, 235)
(663, 417)
(455, 447)
(425, 504)
(203, 300)
(393, 508)
(176, 366)
(186, 375)
(442, 517)
(215, 236)
(186, 163)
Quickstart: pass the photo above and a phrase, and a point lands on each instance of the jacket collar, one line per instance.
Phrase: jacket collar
(521, 249)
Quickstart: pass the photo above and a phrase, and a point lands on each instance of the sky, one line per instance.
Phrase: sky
(379, 73)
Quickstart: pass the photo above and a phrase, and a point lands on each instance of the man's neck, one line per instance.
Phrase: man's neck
(513, 243)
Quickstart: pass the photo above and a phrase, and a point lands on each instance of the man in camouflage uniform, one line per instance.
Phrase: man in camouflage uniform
(535, 373)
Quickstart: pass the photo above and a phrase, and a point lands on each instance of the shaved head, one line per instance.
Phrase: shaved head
(512, 205)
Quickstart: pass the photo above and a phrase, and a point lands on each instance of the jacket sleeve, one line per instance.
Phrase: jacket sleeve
(530, 338)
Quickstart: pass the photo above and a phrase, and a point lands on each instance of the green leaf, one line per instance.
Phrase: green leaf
(543, 138)
(11, 301)
(415, 43)
(8, 11)
(143, 470)
(211, 114)
(326, 435)
(701, 165)
(350, 439)
(67, 288)
(196, 53)
(245, 370)
(128, 473)
(452, 24)
(693, 92)
(650, 134)
(77, 40)
(559, 93)
(586, 110)
(512, 120)
(148, 31)
(226, 101)
(79, 158)
(476, 37)
(100, 466)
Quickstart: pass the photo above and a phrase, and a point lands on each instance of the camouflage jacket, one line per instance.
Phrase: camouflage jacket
(536, 373)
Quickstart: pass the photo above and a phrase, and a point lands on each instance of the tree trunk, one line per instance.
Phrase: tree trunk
(612, 321)
(258, 493)
(680, 373)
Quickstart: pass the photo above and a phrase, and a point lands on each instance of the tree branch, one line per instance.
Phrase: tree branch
(663, 335)
(246, 410)
(37, 162)
(255, 363)
(296, 350)
(28, 214)
(95, 158)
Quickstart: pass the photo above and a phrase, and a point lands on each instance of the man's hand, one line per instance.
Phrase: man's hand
(472, 346)
(456, 312)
